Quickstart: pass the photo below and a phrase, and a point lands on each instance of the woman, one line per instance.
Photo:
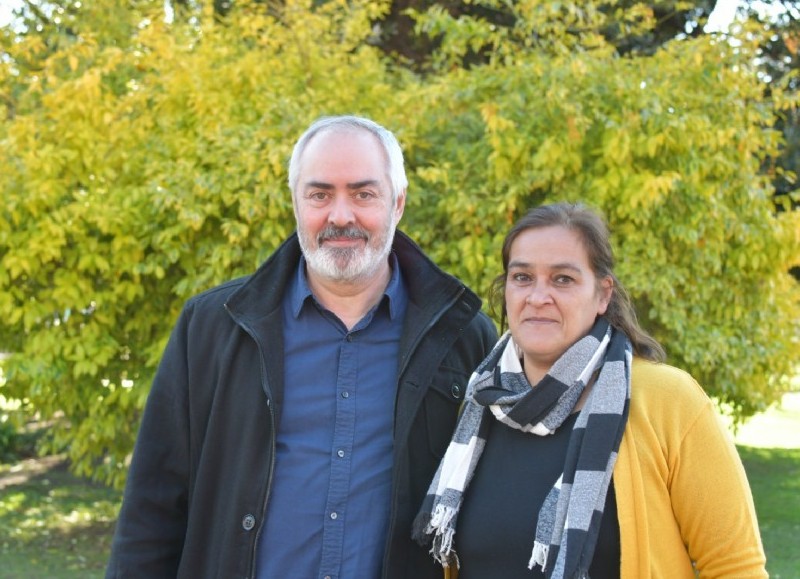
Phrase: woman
(578, 452)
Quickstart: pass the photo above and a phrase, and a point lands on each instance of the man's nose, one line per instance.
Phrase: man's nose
(341, 212)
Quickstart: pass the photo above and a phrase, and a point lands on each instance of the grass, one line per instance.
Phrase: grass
(774, 475)
(769, 445)
(55, 525)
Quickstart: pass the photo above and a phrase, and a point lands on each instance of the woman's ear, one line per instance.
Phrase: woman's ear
(606, 290)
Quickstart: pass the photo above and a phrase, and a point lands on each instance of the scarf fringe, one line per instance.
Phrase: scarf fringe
(441, 524)
(539, 555)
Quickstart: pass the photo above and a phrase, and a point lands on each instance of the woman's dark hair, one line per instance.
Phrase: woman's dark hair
(592, 230)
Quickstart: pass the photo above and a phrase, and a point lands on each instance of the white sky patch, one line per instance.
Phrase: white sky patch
(6, 6)
(722, 16)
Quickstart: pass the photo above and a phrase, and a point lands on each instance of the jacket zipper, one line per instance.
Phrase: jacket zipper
(265, 386)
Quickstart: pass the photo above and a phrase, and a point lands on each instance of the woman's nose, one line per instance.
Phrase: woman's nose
(539, 294)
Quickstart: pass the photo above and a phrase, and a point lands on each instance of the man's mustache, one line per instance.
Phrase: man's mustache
(333, 232)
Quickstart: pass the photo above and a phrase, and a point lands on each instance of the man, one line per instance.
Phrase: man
(298, 414)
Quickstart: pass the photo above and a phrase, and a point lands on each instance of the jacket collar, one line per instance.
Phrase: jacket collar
(429, 288)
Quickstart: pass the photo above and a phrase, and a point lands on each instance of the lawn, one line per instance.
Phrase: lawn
(52, 524)
(57, 526)
(774, 475)
(769, 445)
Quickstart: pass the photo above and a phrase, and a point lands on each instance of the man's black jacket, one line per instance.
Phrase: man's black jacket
(199, 480)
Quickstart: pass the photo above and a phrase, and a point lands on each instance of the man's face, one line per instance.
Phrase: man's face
(343, 204)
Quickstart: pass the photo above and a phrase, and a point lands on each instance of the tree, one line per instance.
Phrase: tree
(668, 20)
(670, 146)
(401, 38)
(137, 174)
(143, 166)
(780, 63)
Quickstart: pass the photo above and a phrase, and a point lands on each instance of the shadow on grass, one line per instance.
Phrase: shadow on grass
(53, 524)
(774, 475)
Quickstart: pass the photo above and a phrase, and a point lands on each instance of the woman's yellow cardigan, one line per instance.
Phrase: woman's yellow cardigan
(683, 499)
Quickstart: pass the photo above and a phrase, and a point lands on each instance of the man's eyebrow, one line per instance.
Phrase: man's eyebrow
(364, 183)
(318, 185)
(355, 185)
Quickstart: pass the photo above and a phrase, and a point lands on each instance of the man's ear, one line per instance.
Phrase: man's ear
(399, 206)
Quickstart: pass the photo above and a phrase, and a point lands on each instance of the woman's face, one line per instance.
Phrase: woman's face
(552, 295)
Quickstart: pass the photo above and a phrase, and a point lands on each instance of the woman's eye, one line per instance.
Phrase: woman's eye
(520, 277)
(563, 279)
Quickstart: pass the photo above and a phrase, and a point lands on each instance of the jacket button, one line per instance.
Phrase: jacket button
(455, 390)
(248, 522)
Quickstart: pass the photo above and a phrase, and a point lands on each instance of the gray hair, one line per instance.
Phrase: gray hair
(394, 154)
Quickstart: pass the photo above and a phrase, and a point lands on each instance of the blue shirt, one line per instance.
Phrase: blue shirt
(330, 496)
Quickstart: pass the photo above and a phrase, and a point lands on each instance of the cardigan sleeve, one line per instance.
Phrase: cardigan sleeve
(711, 497)
(684, 504)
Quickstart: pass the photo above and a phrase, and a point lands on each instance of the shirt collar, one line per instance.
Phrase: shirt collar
(299, 290)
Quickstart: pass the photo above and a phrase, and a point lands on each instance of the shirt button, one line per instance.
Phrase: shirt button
(345, 394)
(349, 337)
(248, 522)
(334, 516)
(455, 390)
(340, 453)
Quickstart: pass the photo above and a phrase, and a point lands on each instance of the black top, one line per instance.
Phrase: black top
(497, 522)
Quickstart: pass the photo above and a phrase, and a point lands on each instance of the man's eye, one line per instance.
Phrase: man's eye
(365, 195)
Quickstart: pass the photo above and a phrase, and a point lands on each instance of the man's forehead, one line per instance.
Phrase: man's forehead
(343, 154)
(344, 131)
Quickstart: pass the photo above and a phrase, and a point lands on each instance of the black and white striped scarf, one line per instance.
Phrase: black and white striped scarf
(569, 519)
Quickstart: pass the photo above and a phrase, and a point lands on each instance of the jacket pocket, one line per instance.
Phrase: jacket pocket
(442, 404)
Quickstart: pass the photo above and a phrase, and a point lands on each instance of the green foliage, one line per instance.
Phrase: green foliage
(135, 176)
(145, 162)
(8, 441)
(669, 148)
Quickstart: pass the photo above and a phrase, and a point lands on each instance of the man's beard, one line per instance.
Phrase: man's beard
(348, 264)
